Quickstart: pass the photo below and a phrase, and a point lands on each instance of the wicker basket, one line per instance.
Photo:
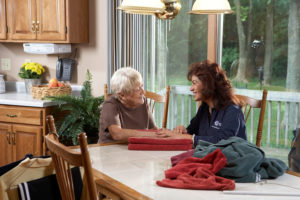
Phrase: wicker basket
(41, 91)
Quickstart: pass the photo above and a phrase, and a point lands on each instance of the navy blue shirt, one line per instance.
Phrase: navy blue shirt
(222, 125)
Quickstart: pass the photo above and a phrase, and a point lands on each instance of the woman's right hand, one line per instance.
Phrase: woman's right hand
(180, 129)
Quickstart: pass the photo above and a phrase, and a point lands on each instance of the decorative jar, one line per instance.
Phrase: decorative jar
(31, 82)
(2, 84)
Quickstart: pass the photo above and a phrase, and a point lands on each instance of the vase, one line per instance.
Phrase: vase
(31, 82)
(2, 84)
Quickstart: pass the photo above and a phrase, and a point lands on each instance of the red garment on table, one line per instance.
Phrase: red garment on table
(198, 173)
(176, 159)
(159, 144)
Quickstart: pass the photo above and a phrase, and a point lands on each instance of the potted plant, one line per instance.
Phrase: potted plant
(83, 114)
(31, 72)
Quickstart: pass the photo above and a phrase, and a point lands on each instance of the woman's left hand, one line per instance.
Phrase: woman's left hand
(166, 133)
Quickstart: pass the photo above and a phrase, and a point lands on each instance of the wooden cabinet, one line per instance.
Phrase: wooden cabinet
(59, 21)
(22, 131)
(2, 20)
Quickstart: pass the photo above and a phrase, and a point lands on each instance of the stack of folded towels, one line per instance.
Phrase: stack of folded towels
(159, 144)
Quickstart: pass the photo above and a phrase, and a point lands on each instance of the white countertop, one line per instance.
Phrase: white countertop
(140, 170)
(15, 95)
(22, 99)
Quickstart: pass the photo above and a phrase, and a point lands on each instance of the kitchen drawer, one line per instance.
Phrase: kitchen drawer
(22, 115)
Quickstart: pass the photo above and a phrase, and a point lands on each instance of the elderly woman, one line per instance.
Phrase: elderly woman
(219, 116)
(126, 110)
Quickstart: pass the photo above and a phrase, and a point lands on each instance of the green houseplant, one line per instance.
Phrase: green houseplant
(83, 114)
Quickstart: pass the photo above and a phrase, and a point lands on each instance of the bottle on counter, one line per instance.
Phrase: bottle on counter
(2, 84)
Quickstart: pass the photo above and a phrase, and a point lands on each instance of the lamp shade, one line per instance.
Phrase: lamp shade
(211, 7)
(146, 7)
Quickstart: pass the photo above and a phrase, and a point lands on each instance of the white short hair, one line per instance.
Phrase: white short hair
(124, 80)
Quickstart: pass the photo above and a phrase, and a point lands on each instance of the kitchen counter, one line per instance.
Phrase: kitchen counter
(23, 99)
(15, 95)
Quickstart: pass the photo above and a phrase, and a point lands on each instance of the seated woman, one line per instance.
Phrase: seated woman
(219, 116)
(126, 110)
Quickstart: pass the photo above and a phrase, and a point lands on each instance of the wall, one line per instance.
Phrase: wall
(92, 56)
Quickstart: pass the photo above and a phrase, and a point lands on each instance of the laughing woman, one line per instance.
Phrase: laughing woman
(126, 110)
(219, 116)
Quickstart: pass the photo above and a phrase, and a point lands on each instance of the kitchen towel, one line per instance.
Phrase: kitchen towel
(159, 147)
(198, 174)
(161, 141)
(159, 144)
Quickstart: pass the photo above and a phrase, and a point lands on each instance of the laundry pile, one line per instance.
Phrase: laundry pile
(218, 166)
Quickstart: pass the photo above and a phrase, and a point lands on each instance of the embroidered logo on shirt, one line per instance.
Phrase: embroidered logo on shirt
(217, 125)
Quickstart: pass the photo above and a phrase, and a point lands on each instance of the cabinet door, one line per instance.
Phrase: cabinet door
(26, 139)
(51, 19)
(2, 20)
(5, 144)
(21, 19)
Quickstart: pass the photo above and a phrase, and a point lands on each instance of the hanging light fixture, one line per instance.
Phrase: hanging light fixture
(163, 9)
(172, 8)
(211, 7)
(145, 7)
(169, 9)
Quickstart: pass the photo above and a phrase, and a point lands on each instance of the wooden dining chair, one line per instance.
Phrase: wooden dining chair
(249, 104)
(64, 158)
(51, 125)
(152, 99)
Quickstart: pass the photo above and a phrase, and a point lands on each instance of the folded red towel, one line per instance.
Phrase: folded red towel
(198, 173)
(160, 141)
(160, 147)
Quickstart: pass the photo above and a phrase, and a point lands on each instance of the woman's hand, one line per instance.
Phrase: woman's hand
(180, 129)
(166, 133)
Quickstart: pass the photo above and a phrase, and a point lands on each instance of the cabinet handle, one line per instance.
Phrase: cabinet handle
(37, 27)
(8, 137)
(13, 138)
(33, 26)
(8, 115)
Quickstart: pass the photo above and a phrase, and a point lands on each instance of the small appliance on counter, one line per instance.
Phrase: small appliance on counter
(64, 68)
(2, 84)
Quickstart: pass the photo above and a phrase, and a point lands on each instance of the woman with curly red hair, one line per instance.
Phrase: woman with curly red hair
(219, 116)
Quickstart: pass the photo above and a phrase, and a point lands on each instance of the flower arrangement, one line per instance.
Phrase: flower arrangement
(31, 70)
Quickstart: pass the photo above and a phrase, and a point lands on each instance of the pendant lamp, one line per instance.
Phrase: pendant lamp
(211, 7)
(172, 8)
(146, 7)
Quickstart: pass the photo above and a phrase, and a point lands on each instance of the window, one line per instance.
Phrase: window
(261, 48)
(161, 50)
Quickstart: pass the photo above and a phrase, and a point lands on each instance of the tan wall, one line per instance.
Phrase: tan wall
(92, 56)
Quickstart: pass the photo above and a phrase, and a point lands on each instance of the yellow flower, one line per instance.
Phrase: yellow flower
(27, 67)
(38, 71)
(31, 70)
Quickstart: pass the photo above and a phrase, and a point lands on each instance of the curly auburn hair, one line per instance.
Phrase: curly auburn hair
(216, 85)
